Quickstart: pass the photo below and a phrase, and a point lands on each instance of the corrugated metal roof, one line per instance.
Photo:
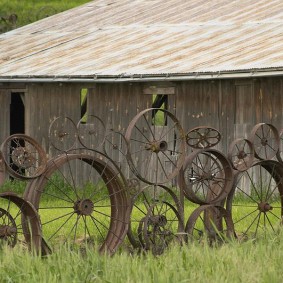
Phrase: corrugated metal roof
(120, 38)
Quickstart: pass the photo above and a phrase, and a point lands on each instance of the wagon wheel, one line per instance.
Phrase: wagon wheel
(86, 209)
(23, 156)
(63, 133)
(203, 137)
(156, 146)
(265, 139)
(163, 225)
(206, 177)
(255, 202)
(91, 133)
(241, 154)
(115, 146)
(15, 214)
(211, 223)
(141, 204)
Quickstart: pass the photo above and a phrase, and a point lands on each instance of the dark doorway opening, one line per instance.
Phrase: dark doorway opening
(17, 113)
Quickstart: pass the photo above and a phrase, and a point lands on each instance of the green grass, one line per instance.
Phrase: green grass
(232, 262)
(29, 11)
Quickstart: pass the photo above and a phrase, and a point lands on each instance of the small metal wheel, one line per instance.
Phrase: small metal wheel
(162, 226)
(207, 177)
(91, 133)
(15, 215)
(115, 146)
(210, 223)
(156, 146)
(23, 156)
(82, 201)
(141, 205)
(63, 133)
(265, 139)
(203, 137)
(241, 154)
(255, 202)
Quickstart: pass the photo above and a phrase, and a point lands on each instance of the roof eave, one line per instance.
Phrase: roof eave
(143, 77)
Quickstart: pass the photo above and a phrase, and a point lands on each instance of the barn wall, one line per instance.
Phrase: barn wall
(44, 103)
(5, 99)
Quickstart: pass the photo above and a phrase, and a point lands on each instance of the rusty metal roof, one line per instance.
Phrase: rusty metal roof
(148, 39)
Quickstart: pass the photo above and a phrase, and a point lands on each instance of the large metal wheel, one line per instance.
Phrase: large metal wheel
(255, 202)
(156, 146)
(209, 223)
(89, 208)
(142, 204)
(203, 137)
(241, 154)
(15, 215)
(162, 226)
(265, 139)
(206, 177)
(279, 154)
(23, 156)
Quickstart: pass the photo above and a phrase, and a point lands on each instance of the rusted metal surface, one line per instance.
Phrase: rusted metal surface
(148, 38)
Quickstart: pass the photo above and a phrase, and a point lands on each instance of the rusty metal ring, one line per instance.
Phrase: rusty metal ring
(162, 226)
(156, 146)
(265, 139)
(28, 224)
(241, 154)
(91, 133)
(206, 177)
(95, 202)
(206, 223)
(255, 201)
(279, 154)
(141, 203)
(203, 137)
(63, 133)
(23, 156)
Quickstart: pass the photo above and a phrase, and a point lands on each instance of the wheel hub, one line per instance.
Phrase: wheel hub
(84, 207)
(158, 220)
(7, 231)
(264, 141)
(157, 146)
(264, 207)
(241, 154)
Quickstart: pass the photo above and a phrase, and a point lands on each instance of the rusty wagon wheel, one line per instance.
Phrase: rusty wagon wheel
(206, 177)
(156, 146)
(23, 156)
(265, 139)
(255, 202)
(162, 226)
(63, 133)
(86, 209)
(210, 223)
(91, 133)
(241, 154)
(142, 203)
(203, 137)
(15, 214)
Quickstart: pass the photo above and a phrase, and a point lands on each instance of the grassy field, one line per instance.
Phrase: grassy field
(29, 11)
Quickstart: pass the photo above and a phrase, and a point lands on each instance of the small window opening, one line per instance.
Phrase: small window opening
(159, 118)
(84, 95)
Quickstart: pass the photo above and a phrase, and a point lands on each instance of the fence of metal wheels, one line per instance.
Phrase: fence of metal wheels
(161, 185)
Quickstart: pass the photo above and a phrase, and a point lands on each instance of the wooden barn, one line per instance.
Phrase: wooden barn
(217, 63)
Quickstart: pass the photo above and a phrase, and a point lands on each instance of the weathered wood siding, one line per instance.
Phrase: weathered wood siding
(5, 99)
(44, 103)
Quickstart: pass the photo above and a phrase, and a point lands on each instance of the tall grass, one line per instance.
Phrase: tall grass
(232, 262)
